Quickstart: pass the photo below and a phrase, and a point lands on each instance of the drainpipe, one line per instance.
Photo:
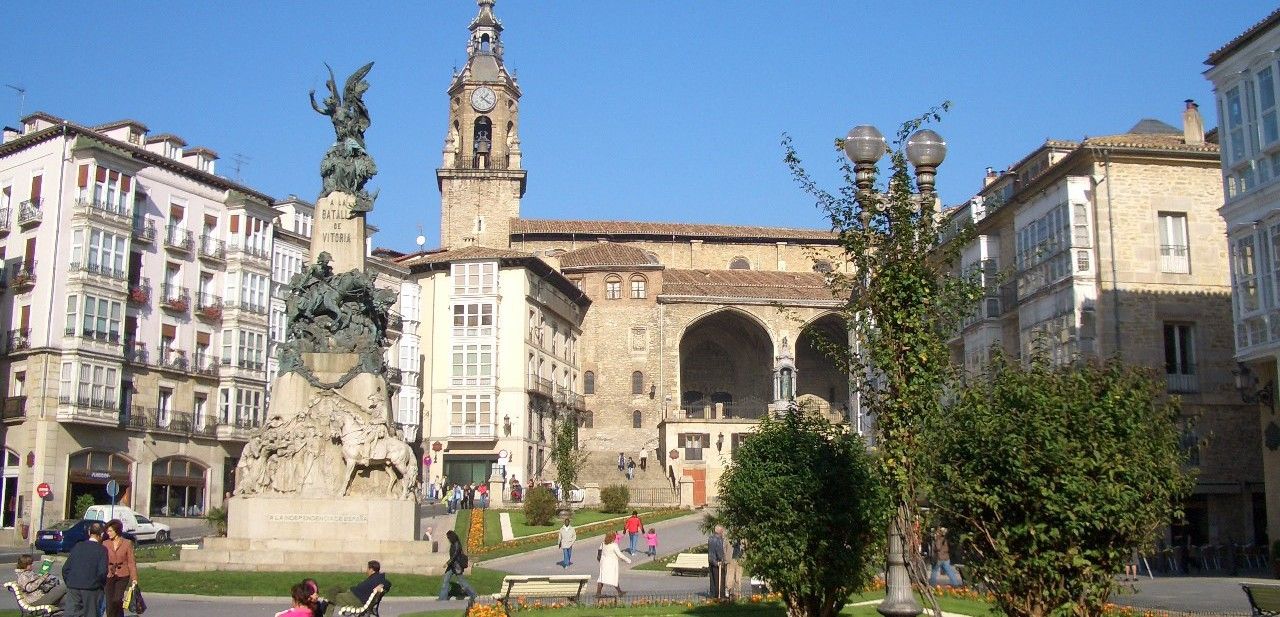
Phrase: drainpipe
(1111, 241)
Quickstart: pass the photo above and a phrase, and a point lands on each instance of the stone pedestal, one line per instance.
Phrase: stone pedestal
(338, 232)
(291, 392)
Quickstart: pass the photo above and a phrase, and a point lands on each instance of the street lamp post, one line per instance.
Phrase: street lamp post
(865, 146)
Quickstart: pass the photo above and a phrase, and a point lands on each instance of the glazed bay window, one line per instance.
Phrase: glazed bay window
(475, 279)
(98, 252)
(98, 318)
(1245, 268)
(1267, 106)
(248, 407)
(473, 319)
(252, 347)
(472, 364)
(253, 292)
(109, 190)
(1175, 254)
(97, 387)
(471, 415)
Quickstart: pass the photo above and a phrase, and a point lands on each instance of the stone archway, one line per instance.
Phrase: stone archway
(818, 374)
(726, 358)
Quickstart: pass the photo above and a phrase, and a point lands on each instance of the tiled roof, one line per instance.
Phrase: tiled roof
(1256, 29)
(606, 254)
(754, 284)
(466, 252)
(682, 230)
(1150, 141)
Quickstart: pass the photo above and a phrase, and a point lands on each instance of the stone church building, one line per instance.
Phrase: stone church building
(669, 339)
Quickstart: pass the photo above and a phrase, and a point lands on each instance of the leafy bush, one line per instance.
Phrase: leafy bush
(217, 518)
(539, 506)
(83, 503)
(615, 498)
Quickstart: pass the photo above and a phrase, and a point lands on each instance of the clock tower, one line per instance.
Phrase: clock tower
(480, 178)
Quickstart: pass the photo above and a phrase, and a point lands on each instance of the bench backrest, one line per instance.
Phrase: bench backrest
(691, 560)
(544, 586)
(22, 600)
(1264, 597)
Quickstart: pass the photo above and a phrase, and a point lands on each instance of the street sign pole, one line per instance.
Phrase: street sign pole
(113, 489)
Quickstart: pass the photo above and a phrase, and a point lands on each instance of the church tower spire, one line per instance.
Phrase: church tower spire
(480, 177)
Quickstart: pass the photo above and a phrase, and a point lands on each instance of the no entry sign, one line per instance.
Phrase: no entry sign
(43, 490)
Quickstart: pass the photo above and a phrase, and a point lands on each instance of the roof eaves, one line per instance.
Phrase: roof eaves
(1243, 38)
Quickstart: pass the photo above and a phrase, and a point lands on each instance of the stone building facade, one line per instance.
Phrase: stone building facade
(1244, 73)
(1108, 247)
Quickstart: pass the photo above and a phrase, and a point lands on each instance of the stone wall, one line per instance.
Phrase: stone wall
(706, 255)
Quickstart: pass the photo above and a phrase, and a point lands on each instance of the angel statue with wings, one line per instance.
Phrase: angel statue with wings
(347, 165)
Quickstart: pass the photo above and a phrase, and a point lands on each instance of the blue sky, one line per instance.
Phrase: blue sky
(657, 110)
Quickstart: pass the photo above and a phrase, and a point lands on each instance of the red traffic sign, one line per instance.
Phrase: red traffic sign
(43, 490)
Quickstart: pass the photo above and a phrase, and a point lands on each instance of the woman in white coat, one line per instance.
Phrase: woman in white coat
(609, 556)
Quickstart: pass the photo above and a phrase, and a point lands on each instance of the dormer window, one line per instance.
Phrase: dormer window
(172, 150)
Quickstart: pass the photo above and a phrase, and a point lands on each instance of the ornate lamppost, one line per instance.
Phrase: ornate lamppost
(925, 149)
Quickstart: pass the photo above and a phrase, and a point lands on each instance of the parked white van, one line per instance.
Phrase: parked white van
(127, 516)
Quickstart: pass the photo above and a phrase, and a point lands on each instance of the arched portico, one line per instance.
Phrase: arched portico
(726, 358)
(819, 374)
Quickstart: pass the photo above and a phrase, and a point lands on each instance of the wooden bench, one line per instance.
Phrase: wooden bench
(690, 563)
(370, 608)
(1263, 599)
(31, 610)
(568, 586)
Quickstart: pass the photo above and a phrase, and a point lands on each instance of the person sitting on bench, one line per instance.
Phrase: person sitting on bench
(38, 589)
(359, 595)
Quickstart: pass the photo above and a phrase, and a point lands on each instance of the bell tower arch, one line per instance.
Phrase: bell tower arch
(480, 178)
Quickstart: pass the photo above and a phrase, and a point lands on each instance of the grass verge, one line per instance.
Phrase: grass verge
(245, 583)
(660, 564)
(544, 540)
(163, 552)
(521, 528)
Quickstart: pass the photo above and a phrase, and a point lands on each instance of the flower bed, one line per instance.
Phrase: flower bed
(475, 533)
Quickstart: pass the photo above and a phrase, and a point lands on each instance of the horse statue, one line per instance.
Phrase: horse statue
(368, 444)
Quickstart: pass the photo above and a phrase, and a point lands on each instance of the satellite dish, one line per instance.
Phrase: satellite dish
(421, 240)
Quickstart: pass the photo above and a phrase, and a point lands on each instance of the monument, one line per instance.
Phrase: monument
(325, 483)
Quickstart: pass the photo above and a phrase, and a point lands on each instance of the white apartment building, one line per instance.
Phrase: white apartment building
(1245, 73)
(499, 346)
(135, 301)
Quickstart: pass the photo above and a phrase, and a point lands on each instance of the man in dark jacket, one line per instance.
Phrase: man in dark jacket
(359, 595)
(716, 561)
(85, 573)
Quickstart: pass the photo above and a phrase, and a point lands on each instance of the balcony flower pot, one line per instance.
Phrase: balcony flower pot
(139, 295)
(179, 305)
(213, 313)
(21, 279)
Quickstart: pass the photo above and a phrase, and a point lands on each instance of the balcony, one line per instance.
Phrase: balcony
(205, 365)
(29, 213)
(135, 352)
(5, 213)
(569, 398)
(97, 270)
(22, 276)
(1182, 379)
(175, 298)
(212, 249)
(97, 209)
(735, 410)
(15, 409)
(236, 430)
(17, 340)
(251, 252)
(539, 385)
(140, 292)
(250, 364)
(394, 375)
(145, 234)
(178, 239)
(88, 410)
(1175, 259)
(209, 307)
(395, 322)
(253, 307)
(171, 359)
(152, 420)
(104, 336)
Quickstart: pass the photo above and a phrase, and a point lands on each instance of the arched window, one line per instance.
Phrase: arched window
(612, 287)
(484, 43)
(89, 471)
(637, 383)
(637, 419)
(740, 263)
(637, 287)
(589, 382)
(482, 142)
(822, 266)
(177, 487)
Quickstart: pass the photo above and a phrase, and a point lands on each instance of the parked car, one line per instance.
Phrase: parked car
(150, 530)
(128, 518)
(62, 535)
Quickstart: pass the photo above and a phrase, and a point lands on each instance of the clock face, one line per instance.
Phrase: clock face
(483, 99)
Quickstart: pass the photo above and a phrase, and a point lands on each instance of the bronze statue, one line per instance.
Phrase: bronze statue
(347, 166)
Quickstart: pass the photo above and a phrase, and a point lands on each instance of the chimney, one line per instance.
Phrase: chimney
(10, 134)
(1192, 124)
(990, 177)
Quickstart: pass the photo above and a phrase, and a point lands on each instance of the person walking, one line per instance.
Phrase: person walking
(122, 567)
(942, 559)
(651, 540)
(634, 527)
(622, 462)
(644, 459)
(85, 573)
(568, 535)
(610, 554)
(455, 568)
(631, 468)
(716, 562)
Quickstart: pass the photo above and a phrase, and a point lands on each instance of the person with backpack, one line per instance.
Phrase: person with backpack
(455, 568)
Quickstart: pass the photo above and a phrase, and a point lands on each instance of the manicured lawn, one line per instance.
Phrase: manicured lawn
(521, 528)
(243, 583)
(545, 539)
(745, 609)
(163, 552)
(660, 564)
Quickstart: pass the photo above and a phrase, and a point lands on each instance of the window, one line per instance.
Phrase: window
(67, 385)
(100, 318)
(637, 419)
(228, 341)
(164, 408)
(177, 488)
(1267, 105)
(471, 415)
(470, 279)
(97, 386)
(589, 382)
(1179, 358)
(612, 287)
(637, 382)
(472, 364)
(224, 406)
(1246, 274)
(110, 190)
(693, 444)
(253, 292)
(248, 407)
(1235, 125)
(99, 252)
(1174, 252)
(198, 410)
(475, 319)
(637, 287)
(740, 263)
(251, 349)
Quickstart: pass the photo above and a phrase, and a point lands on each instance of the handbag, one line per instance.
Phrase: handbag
(133, 601)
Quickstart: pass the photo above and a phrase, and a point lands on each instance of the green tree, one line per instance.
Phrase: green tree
(903, 303)
(82, 505)
(539, 506)
(805, 497)
(565, 455)
(615, 498)
(1054, 475)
